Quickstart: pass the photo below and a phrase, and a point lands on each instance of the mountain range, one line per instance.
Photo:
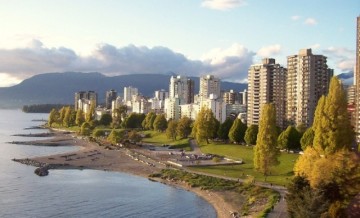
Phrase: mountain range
(59, 88)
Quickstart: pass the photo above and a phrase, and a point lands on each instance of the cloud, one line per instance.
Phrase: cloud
(343, 57)
(315, 46)
(310, 21)
(295, 17)
(231, 63)
(21, 63)
(269, 51)
(223, 4)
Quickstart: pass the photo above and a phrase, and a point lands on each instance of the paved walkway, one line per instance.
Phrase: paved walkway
(280, 209)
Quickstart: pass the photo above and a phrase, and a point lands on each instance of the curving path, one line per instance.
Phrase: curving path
(280, 209)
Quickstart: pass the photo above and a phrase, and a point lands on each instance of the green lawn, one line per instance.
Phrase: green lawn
(280, 174)
(159, 138)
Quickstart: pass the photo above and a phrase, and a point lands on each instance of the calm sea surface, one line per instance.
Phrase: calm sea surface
(75, 193)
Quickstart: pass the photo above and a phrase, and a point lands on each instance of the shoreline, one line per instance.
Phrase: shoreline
(94, 157)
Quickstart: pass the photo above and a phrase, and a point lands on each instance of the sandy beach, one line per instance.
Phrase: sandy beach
(92, 156)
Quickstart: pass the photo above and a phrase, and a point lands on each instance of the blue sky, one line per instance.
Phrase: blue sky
(190, 37)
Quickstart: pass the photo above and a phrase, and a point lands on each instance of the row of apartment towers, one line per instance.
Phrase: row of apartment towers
(294, 90)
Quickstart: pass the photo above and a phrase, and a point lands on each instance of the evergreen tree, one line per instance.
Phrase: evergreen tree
(332, 126)
(184, 127)
(251, 134)
(204, 125)
(171, 132)
(53, 117)
(303, 201)
(79, 120)
(237, 131)
(133, 136)
(160, 123)
(307, 138)
(224, 129)
(289, 139)
(149, 120)
(98, 133)
(265, 152)
(105, 119)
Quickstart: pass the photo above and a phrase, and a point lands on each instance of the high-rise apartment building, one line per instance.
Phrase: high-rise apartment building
(357, 80)
(230, 97)
(209, 85)
(183, 88)
(86, 95)
(266, 84)
(308, 78)
(129, 92)
(110, 96)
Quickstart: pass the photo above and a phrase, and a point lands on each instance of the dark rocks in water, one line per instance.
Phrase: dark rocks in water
(42, 171)
(36, 135)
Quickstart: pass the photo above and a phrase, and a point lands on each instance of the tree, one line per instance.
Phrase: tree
(237, 131)
(171, 132)
(105, 119)
(289, 139)
(79, 120)
(114, 136)
(224, 128)
(134, 136)
(160, 123)
(184, 127)
(251, 134)
(204, 126)
(53, 117)
(62, 115)
(149, 120)
(303, 201)
(67, 117)
(307, 138)
(90, 114)
(134, 120)
(85, 129)
(265, 152)
(98, 133)
(332, 126)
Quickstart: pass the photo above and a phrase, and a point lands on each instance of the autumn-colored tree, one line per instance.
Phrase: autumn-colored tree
(184, 127)
(80, 119)
(251, 134)
(330, 164)
(89, 116)
(204, 126)
(171, 132)
(266, 152)
(62, 112)
(85, 129)
(237, 131)
(53, 117)
(224, 129)
(332, 126)
(134, 136)
(307, 138)
(160, 123)
(114, 136)
(67, 117)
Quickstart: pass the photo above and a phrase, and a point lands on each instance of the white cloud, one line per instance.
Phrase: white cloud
(295, 17)
(21, 63)
(310, 21)
(269, 51)
(231, 63)
(315, 46)
(222, 4)
(343, 57)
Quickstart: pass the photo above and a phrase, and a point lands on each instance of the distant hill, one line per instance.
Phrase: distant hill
(59, 88)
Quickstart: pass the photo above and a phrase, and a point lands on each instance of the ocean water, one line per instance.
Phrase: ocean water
(80, 193)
